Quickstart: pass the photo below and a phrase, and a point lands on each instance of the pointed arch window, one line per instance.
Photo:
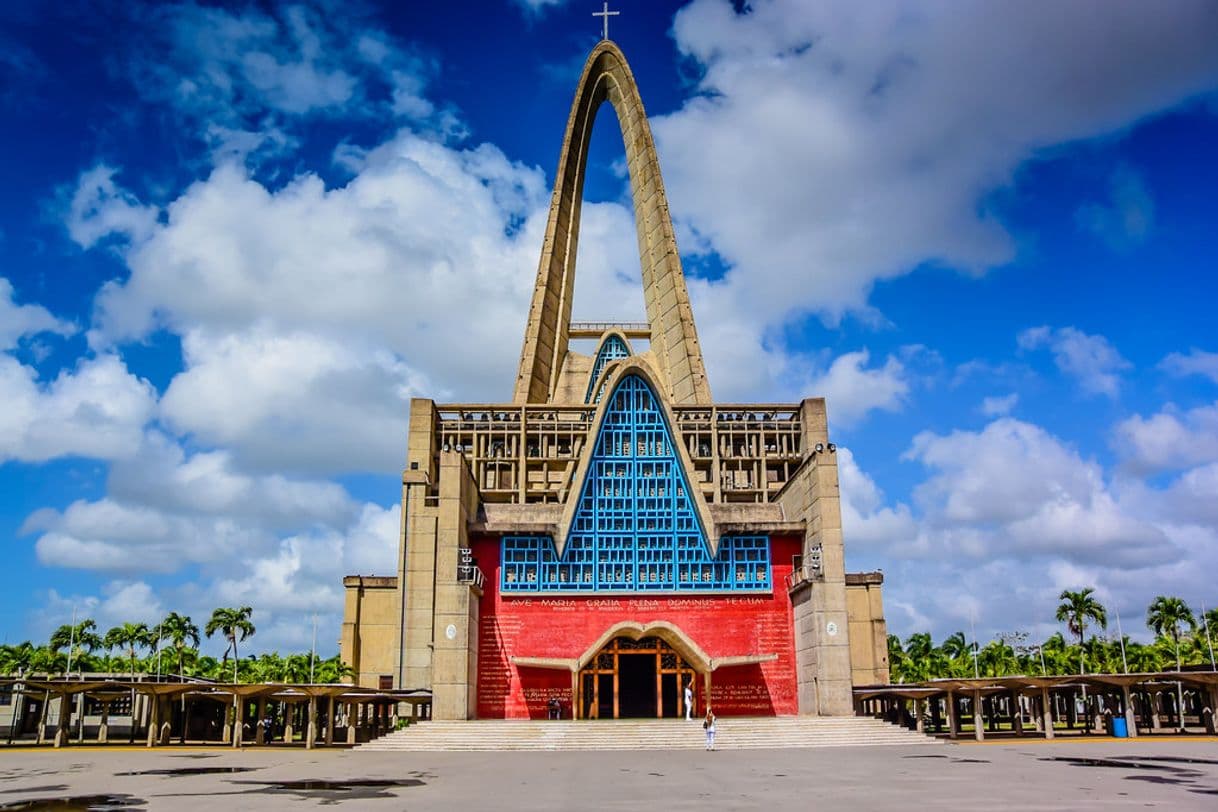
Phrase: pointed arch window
(611, 349)
(635, 528)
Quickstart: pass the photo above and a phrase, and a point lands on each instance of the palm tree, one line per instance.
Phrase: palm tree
(130, 636)
(180, 630)
(1143, 659)
(80, 639)
(296, 668)
(1075, 610)
(334, 670)
(898, 663)
(1166, 615)
(997, 659)
(1207, 634)
(16, 659)
(232, 622)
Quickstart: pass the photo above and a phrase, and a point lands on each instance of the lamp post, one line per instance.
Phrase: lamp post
(71, 640)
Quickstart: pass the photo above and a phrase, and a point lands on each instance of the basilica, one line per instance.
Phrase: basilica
(612, 534)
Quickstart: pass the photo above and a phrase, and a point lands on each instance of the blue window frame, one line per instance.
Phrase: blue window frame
(612, 349)
(635, 528)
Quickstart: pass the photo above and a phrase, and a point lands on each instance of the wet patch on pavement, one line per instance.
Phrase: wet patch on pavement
(76, 803)
(1163, 770)
(176, 771)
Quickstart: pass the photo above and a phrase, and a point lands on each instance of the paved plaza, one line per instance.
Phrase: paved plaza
(1107, 774)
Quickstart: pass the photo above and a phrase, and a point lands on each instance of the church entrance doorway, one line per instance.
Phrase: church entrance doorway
(634, 679)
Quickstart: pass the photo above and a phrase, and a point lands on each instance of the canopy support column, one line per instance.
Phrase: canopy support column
(311, 732)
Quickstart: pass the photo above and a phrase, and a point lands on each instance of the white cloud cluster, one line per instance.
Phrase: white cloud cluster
(1194, 362)
(98, 410)
(853, 388)
(165, 510)
(19, 321)
(833, 145)
(1012, 510)
(999, 406)
(100, 208)
(290, 60)
(1030, 494)
(1169, 440)
(1091, 359)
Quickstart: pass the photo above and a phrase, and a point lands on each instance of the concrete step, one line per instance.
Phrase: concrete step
(646, 734)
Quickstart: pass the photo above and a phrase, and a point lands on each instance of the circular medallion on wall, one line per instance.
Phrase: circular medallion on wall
(831, 628)
(451, 632)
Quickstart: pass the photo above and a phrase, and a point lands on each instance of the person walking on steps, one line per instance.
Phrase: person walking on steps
(689, 702)
(708, 724)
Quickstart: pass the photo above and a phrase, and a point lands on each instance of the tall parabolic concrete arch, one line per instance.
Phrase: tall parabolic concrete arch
(674, 339)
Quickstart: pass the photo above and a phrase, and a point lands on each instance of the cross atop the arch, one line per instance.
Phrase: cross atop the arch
(605, 14)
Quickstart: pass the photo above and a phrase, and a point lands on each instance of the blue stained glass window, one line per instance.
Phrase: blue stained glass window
(612, 348)
(635, 528)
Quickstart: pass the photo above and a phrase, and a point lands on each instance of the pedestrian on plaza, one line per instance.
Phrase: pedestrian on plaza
(689, 702)
(708, 724)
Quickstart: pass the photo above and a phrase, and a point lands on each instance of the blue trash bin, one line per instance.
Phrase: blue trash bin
(1120, 728)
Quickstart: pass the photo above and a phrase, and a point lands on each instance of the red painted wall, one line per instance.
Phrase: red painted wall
(566, 625)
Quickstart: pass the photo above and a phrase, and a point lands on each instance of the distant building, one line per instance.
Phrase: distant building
(612, 533)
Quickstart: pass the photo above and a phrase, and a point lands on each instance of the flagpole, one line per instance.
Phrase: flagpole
(71, 640)
(972, 621)
(313, 651)
(1121, 638)
(1205, 620)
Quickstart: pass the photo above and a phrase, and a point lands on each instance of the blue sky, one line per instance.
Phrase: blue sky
(237, 238)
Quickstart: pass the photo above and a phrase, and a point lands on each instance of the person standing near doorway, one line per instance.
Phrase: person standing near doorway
(708, 724)
(689, 702)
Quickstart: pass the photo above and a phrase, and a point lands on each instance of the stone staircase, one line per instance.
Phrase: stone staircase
(734, 733)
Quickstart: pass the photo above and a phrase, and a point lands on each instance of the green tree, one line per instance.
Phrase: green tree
(334, 670)
(1143, 659)
(80, 639)
(1075, 609)
(18, 658)
(129, 636)
(997, 659)
(296, 668)
(180, 630)
(1166, 615)
(235, 624)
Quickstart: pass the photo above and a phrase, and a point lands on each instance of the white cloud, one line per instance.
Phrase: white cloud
(1089, 358)
(262, 394)
(999, 406)
(298, 60)
(100, 208)
(1169, 439)
(853, 389)
(1014, 489)
(97, 410)
(19, 321)
(1127, 217)
(1194, 362)
(833, 145)
(210, 483)
(166, 511)
(866, 521)
(538, 6)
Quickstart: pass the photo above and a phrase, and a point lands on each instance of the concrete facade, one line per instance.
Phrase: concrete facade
(868, 631)
(477, 472)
